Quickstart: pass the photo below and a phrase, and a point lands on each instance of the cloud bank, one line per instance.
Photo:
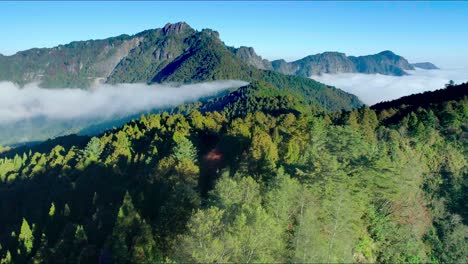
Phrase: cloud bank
(374, 88)
(102, 102)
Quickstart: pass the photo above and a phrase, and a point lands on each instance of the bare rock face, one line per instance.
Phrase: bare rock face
(175, 28)
(248, 55)
(111, 56)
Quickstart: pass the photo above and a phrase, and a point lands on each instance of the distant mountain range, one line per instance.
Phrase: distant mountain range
(385, 62)
(177, 53)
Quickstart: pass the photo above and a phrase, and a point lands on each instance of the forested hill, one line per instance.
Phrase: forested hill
(259, 180)
(439, 101)
(451, 92)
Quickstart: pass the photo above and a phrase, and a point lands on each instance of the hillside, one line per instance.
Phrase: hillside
(451, 92)
(261, 179)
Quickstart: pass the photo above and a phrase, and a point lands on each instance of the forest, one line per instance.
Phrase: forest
(256, 176)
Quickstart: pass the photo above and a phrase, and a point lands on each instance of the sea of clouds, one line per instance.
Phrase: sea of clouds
(374, 88)
(101, 102)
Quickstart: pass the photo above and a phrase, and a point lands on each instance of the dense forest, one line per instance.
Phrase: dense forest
(256, 176)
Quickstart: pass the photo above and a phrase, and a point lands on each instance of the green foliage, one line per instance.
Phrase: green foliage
(52, 210)
(235, 229)
(131, 240)
(93, 150)
(26, 237)
(6, 259)
(185, 150)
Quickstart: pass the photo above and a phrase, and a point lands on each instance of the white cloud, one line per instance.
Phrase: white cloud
(102, 102)
(374, 88)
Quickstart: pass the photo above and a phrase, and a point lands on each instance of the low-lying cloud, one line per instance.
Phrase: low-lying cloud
(374, 88)
(101, 102)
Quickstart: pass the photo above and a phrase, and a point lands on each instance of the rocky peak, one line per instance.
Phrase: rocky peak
(176, 28)
(332, 53)
(388, 53)
(211, 33)
(246, 52)
(249, 56)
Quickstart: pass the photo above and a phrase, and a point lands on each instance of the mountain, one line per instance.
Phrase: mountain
(385, 62)
(77, 64)
(425, 66)
(251, 176)
(174, 53)
(327, 62)
(136, 58)
(249, 56)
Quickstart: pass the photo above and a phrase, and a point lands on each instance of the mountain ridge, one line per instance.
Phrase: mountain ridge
(142, 56)
(332, 62)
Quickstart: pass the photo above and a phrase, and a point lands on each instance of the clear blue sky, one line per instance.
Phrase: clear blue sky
(419, 31)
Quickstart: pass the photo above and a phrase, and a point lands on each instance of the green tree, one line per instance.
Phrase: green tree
(93, 150)
(52, 209)
(132, 239)
(236, 229)
(264, 153)
(7, 258)
(185, 150)
(26, 237)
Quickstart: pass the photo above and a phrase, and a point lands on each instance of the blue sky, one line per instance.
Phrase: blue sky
(420, 31)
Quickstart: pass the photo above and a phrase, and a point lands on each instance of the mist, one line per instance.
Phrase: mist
(101, 102)
(374, 88)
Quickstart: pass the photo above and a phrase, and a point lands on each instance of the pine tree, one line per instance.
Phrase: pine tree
(26, 237)
(132, 239)
(52, 210)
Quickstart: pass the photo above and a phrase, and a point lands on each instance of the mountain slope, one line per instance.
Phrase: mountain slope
(77, 64)
(451, 92)
(385, 62)
(440, 102)
(425, 66)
